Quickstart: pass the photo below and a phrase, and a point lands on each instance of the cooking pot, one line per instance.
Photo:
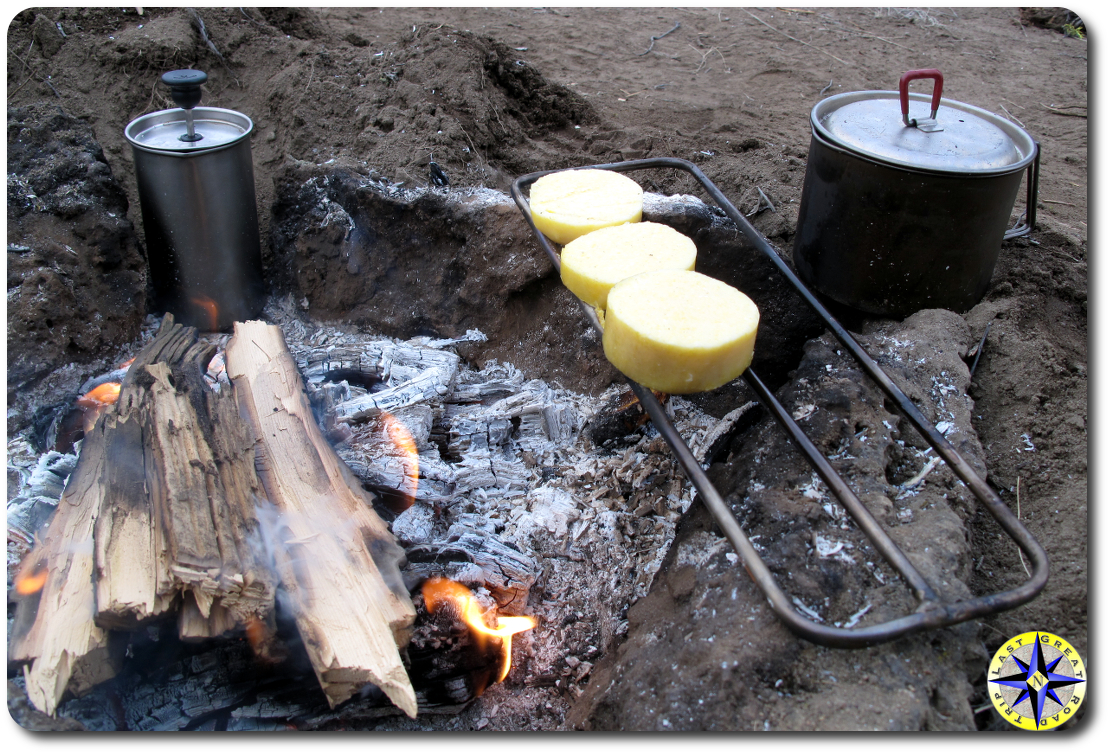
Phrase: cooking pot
(901, 212)
(195, 178)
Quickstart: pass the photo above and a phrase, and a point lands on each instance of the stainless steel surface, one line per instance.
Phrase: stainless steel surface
(161, 131)
(968, 140)
(199, 215)
(931, 612)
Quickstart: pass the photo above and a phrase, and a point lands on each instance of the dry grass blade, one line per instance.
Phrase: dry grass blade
(1064, 111)
(794, 39)
(1011, 116)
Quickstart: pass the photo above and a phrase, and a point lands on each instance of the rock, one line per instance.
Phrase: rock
(76, 277)
(156, 45)
(47, 35)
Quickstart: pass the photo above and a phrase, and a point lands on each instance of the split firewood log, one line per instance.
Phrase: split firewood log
(184, 522)
(54, 632)
(336, 558)
(158, 514)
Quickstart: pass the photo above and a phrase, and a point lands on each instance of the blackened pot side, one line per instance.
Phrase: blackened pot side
(890, 240)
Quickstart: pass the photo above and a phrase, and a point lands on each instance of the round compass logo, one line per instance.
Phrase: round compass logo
(1037, 681)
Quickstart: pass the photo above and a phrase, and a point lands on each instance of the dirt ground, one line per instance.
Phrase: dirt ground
(489, 94)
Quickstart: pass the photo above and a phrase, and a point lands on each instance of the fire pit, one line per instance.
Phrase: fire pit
(481, 473)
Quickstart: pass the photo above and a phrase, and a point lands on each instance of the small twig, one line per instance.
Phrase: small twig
(992, 628)
(1065, 255)
(705, 56)
(1020, 556)
(1061, 111)
(12, 93)
(863, 33)
(761, 204)
(920, 476)
(981, 55)
(794, 39)
(888, 41)
(34, 74)
(1011, 115)
(676, 27)
(253, 20)
(822, 92)
(473, 149)
(311, 74)
(1053, 201)
(204, 35)
(979, 351)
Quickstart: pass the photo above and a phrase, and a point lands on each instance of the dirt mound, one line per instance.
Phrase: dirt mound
(76, 278)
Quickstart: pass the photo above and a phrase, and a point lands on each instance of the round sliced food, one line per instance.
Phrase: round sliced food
(595, 262)
(571, 203)
(679, 331)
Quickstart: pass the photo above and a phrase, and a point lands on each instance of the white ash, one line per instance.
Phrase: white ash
(507, 456)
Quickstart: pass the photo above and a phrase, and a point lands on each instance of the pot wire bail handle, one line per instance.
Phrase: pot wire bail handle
(904, 92)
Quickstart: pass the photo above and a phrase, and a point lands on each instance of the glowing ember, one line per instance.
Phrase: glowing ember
(439, 591)
(93, 403)
(256, 634)
(402, 440)
(31, 578)
(210, 309)
(127, 363)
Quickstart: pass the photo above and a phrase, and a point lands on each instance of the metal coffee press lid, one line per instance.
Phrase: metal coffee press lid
(188, 129)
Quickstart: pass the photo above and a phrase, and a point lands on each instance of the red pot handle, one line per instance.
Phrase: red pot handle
(904, 91)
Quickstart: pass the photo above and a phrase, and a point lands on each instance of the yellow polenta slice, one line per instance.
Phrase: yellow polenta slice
(571, 203)
(595, 262)
(679, 331)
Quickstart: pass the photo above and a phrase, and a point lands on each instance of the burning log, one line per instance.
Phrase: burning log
(182, 523)
(336, 558)
(159, 510)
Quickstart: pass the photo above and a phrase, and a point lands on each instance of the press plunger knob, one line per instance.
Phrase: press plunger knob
(185, 86)
(185, 89)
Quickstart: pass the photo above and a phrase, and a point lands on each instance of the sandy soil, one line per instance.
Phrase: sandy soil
(489, 94)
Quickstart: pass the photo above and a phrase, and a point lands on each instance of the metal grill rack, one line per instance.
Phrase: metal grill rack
(932, 611)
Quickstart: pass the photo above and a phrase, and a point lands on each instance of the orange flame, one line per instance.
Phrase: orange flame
(31, 578)
(93, 403)
(439, 591)
(127, 363)
(402, 440)
(210, 309)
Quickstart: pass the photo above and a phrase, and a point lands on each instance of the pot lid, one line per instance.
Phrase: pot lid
(963, 138)
(162, 131)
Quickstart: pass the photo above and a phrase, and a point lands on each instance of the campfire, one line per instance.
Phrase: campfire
(371, 507)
